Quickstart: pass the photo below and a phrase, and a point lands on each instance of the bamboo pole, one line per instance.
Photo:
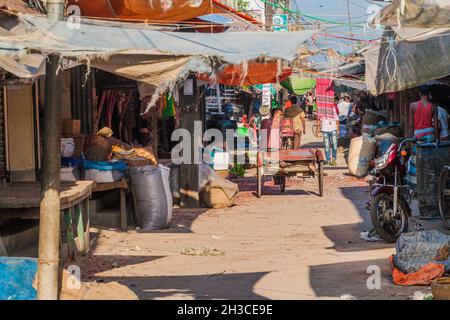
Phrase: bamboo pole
(49, 226)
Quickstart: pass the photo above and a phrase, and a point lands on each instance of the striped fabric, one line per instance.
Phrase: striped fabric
(325, 99)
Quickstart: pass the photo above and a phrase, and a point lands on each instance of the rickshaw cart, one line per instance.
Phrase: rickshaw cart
(303, 163)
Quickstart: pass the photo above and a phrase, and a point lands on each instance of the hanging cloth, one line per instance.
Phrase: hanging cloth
(325, 99)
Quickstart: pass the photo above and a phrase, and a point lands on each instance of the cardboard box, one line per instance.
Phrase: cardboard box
(71, 126)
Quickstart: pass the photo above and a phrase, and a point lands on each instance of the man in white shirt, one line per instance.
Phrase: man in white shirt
(344, 107)
(330, 132)
(443, 118)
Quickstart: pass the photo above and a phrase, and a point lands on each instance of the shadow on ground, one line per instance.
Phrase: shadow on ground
(182, 220)
(345, 237)
(238, 286)
(337, 279)
(94, 264)
(313, 145)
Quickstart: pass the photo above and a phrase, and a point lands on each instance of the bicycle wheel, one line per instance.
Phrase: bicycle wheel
(444, 196)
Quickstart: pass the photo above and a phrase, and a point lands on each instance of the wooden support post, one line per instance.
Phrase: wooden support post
(50, 208)
(123, 210)
(189, 172)
(3, 252)
(154, 120)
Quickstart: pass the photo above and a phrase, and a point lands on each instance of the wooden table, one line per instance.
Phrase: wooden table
(122, 186)
(23, 201)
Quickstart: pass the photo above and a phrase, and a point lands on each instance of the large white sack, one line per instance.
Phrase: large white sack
(151, 190)
(361, 152)
(67, 147)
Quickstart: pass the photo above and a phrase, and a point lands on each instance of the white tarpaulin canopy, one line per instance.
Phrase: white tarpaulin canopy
(415, 48)
(415, 14)
(413, 57)
(158, 58)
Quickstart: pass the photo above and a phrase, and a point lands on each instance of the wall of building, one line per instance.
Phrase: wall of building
(20, 126)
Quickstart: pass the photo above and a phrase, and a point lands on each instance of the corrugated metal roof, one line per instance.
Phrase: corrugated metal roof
(16, 6)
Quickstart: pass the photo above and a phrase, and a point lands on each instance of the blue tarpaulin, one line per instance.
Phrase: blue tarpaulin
(17, 277)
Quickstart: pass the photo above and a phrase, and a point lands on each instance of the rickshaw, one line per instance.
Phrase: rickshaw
(282, 164)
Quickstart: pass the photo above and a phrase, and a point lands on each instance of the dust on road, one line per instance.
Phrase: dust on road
(283, 246)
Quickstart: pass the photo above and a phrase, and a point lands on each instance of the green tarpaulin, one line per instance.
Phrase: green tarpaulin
(299, 85)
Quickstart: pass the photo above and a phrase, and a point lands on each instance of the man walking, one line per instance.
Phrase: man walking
(328, 123)
(297, 115)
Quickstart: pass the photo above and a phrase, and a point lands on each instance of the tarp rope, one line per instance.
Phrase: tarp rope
(275, 5)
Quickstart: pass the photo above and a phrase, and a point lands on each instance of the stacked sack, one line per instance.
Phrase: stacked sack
(361, 152)
(215, 192)
(70, 164)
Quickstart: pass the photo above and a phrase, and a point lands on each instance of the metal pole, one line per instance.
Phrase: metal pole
(189, 172)
(49, 226)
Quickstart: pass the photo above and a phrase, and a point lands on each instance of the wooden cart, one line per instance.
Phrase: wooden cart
(304, 163)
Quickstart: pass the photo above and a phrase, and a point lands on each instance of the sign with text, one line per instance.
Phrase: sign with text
(280, 23)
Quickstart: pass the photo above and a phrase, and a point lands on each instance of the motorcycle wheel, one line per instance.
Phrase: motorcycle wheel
(389, 228)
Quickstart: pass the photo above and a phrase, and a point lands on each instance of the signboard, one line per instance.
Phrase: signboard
(280, 23)
(266, 100)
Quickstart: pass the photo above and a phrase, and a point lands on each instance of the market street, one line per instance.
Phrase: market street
(283, 246)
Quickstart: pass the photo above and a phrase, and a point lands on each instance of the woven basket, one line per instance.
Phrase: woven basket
(139, 162)
(97, 148)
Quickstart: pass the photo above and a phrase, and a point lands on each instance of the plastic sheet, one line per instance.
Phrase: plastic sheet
(417, 249)
(105, 166)
(151, 189)
(16, 278)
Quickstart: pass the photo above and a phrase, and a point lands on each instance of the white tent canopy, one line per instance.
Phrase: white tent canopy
(158, 58)
(415, 14)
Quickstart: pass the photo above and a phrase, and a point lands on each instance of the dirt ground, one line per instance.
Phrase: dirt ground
(283, 246)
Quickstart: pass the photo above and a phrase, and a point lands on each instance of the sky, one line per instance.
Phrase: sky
(337, 10)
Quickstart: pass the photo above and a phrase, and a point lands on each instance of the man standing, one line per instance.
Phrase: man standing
(443, 116)
(329, 125)
(344, 108)
(425, 123)
(310, 104)
(297, 115)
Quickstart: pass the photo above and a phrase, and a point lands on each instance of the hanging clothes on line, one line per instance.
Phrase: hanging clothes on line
(325, 98)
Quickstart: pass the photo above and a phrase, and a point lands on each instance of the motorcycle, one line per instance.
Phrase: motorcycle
(390, 196)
